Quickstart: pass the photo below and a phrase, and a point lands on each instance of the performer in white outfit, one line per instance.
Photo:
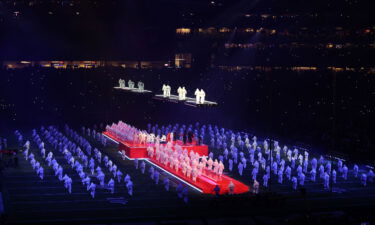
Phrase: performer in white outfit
(141, 86)
(197, 94)
(164, 89)
(179, 91)
(183, 93)
(131, 84)
(202, 96)
(121, 83)
(168, 91)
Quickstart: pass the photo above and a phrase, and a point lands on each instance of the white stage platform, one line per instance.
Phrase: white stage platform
(134, 90)
(172, 98)
(189, 101)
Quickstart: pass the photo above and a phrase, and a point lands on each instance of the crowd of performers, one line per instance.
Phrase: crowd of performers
(240, 151)
(190, 164)
(126, 132)
(35, 164)
(86, 163)
(171, 154)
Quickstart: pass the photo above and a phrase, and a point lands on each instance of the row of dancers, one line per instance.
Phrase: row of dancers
(126, 132)
(190, 164)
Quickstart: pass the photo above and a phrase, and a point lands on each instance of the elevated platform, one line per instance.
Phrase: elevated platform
(188, 101)
(134, 150)
(172, 98)
(204, 183)
(134, 90)
(207, 181)
(191, 102)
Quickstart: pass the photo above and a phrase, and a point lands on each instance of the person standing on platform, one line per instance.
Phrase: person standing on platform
(216, 166)
(221, 168)
(176, 164)
(188, 170)
(197, 94)
(179, 91)
(183, 93)
(168, 90)
(202, 96)
(195, 174)
(164, 89)
(141, 86)
(210, 163)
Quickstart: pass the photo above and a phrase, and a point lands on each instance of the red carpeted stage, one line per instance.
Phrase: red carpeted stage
(205, 183)
(133, 150)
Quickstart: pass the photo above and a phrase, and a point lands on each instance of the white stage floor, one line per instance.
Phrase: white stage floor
(135, 90)
(189, 101)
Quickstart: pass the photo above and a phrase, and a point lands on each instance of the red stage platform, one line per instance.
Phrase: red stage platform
(140, 151)
(207, 181)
